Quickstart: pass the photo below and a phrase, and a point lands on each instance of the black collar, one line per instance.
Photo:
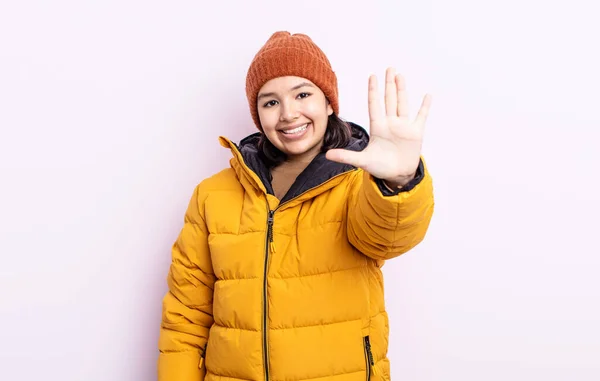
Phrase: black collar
(316, 173)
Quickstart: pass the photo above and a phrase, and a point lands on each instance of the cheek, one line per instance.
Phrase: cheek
(317, 112)
(268, 119)
(313, 108)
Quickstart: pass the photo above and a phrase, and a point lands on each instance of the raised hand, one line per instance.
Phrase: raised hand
(394, 149)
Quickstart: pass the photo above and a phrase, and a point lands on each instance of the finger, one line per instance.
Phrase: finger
(424, 111)
(391, 95)
(402, 96)
(345, 157)
(374, 110)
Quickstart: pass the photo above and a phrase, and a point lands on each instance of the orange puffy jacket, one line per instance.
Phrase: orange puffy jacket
(263, 289)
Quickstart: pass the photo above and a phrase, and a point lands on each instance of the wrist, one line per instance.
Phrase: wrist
(398, 182)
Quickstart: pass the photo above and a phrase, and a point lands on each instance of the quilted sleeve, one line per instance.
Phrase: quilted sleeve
(187, 306)
(383, 226)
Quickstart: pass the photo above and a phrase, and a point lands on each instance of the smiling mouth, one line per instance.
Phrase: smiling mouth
(296, 130)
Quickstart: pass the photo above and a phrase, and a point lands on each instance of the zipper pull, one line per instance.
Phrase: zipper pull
(270, 222)
(270, 230)
(370, 354)
(202, 355)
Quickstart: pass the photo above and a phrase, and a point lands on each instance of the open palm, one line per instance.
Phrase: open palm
(394, 149)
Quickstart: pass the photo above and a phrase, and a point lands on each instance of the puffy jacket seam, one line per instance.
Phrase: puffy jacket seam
(331, 375)
(223, 376)
(307, 228)
(234, 233)
(312, 227)
(319, 274)
(193, 267)
(173, 351)
(182, 302)
(167, 326)
(316, 325)
(241, 329)
(203, 227)
(232, 279)
(195, 306)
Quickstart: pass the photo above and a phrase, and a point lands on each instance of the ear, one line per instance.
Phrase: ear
(329, 109)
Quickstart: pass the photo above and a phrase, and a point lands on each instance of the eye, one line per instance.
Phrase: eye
(270, 103)
(303, 95)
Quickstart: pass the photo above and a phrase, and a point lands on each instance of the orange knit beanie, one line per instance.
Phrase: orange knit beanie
(285, 54)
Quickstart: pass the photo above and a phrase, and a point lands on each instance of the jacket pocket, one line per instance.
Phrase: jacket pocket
(369, 362)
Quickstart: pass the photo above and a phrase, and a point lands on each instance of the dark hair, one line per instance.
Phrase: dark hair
(337, 135)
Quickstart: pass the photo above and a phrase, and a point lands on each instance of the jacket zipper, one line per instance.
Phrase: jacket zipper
(368, 356)
(269, 240)
(269, 245)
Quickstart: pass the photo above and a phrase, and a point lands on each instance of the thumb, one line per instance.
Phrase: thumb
(345, 156)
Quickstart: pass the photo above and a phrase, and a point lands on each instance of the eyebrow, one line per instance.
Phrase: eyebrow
(303, 84)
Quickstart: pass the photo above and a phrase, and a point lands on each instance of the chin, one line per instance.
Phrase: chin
(299, 149)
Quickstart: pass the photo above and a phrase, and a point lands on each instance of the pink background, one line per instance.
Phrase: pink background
(110, 113)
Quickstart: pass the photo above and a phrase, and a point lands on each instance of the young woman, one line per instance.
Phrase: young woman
(276, 272)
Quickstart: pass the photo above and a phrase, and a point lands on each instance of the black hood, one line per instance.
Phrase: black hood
(317, 172)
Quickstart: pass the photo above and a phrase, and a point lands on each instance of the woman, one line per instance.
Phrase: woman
(276, 272)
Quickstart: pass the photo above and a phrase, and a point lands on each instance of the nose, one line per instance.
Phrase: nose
(289, 112)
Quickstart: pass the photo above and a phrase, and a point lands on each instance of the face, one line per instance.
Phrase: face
(293, 113)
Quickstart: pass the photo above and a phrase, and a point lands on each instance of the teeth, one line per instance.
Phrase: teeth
(296, 130)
